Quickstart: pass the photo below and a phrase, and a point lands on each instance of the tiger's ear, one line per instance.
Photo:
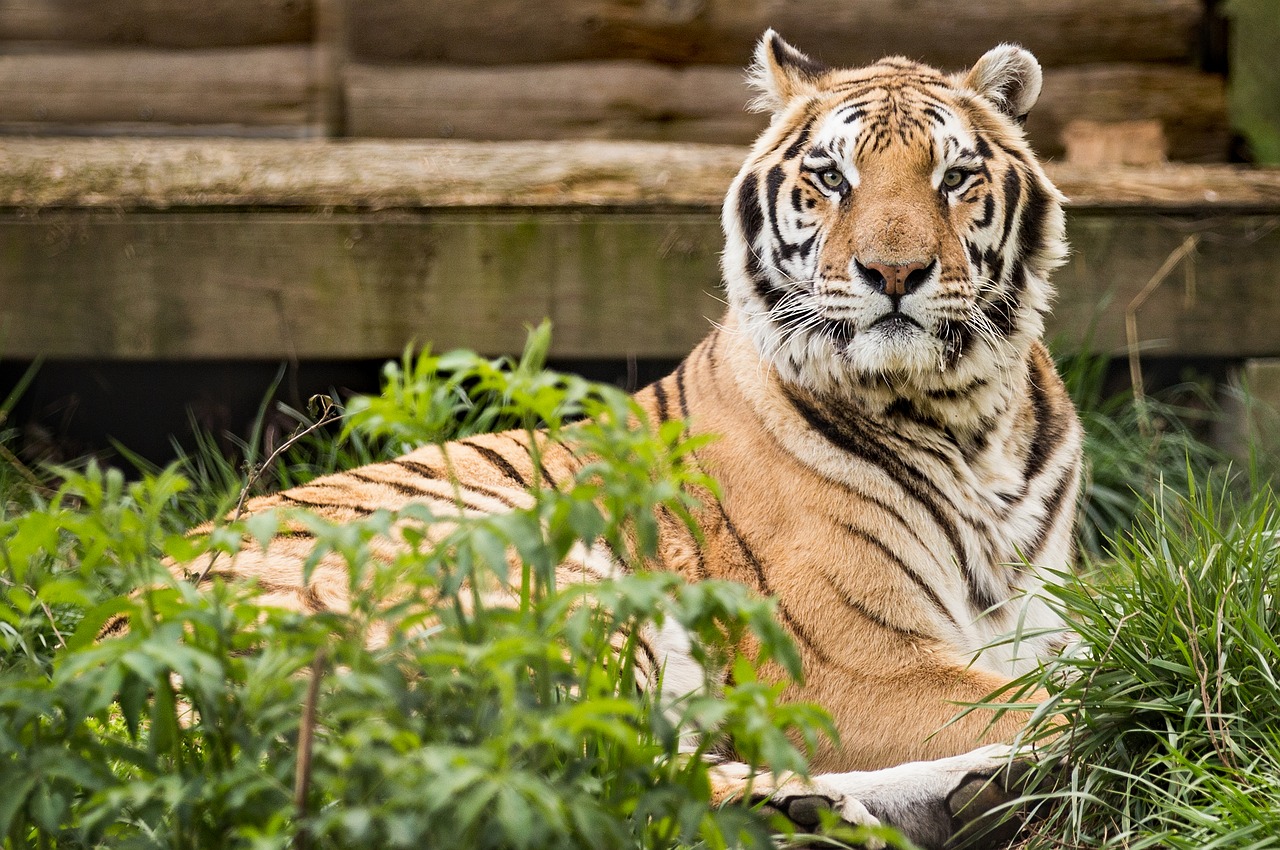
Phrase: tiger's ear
(780, 72)
(1009, 77)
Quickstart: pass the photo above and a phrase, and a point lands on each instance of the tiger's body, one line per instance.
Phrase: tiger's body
(894, 443)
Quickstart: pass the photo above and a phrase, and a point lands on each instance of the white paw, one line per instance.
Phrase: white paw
(804, 803)
(932, 802)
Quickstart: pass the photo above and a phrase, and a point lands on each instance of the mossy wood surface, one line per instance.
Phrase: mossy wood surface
(268, 250)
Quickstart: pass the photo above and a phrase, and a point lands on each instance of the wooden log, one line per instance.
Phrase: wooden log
(89, 284)
(1191, 106)
(724, 31)
(261, 90)
(154, 174)
(600, 100)
(157, 23)
(637, 100)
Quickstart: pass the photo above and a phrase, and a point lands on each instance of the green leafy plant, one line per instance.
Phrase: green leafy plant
(460, 700)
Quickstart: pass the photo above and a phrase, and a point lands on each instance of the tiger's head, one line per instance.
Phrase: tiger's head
(891, 228)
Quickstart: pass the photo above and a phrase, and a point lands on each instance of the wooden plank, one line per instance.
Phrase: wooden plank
(359, 284)
(724, 31)
(254, 89)
(157, 23)
(163, 173)
(639, 100)
(284, 285)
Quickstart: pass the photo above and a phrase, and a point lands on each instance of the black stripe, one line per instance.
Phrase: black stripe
(801, 138)
(1003, 311)
(891, 511)
(957, 393)
(643, 645)
(420, 469)
(1032, 221)
(1048, 430)
(660, 393)
(1012, 192)
(763, 586)
(681, 398)
(402, 488)
(499, 462)
(310, 598)
(542, 470)
(435, 475)
(866, 613)
(1052, 508)
(751, 219)
(893, 558)
(700, 562)
(988, 211)
(911, 480)
(773, 187)
(935, 114)
(362, 510)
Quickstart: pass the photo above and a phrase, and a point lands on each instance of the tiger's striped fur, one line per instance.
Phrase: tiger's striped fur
(894, 441)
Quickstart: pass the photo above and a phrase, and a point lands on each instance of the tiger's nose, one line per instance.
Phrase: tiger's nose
(896, 280)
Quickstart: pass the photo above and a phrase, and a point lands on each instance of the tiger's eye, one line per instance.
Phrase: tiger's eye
(953, 178)
(832, 179)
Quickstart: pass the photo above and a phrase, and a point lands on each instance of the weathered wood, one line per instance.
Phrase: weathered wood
(1191, 106)
(637, 100)
(286, 284)
(1100, 143)
(603, 100)
(207, 174)
(157, 23)
(253, 89)
(724, 31)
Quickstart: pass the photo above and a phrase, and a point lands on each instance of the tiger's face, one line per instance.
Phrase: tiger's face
(891, 226)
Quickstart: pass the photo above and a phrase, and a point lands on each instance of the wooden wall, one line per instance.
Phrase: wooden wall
(667, 70)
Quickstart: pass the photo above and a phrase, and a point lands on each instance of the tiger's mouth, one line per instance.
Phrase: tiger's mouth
(896, 319)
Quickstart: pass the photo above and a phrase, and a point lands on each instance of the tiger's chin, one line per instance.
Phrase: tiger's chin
(895, 348)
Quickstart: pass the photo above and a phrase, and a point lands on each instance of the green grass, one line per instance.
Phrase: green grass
(1171, 695)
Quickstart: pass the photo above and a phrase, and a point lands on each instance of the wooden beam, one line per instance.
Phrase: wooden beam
(244, 284)
(156, 23)
(263, 90)
(211, 174)
(943, 32)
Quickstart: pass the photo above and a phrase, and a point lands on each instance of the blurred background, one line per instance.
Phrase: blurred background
(204, 204)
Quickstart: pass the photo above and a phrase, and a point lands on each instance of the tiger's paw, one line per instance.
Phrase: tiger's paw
(958, 803)
(812, 805)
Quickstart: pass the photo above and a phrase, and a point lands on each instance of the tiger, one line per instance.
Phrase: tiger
(898, 460)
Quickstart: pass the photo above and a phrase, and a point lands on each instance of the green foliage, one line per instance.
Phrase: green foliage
(458, 702)
(1132, 447)
(1171, 694)
(1254, 82)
